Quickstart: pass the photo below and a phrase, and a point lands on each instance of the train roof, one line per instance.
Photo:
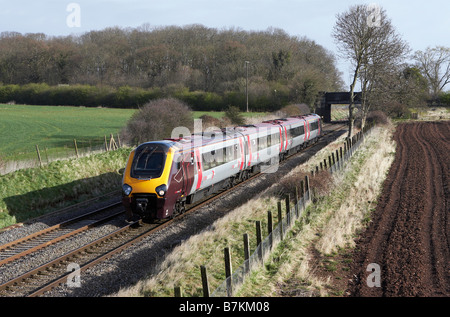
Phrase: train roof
(209, 137)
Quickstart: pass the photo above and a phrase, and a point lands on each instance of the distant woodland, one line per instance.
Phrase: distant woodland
(207, 68)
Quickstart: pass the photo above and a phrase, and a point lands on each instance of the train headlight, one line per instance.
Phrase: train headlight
(161, 190)
(127, 189)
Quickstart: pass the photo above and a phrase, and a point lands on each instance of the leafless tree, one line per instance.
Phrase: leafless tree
(156, 121)
(435, 65)
(367, 38)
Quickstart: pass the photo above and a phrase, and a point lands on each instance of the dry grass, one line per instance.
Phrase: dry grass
(182, 266)
(333, 221)
(289, 272)
(435, 114)
(360, 188)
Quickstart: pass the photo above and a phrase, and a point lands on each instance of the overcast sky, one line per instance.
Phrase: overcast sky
(421, 23)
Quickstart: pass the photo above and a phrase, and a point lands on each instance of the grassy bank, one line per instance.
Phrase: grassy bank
(307, 264)
(331, 225)
(33, 192)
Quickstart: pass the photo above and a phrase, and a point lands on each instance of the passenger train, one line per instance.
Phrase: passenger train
(162, 177)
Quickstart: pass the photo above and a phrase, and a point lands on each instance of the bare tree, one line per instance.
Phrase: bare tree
(156, 120)
(368, 39)
(435, 65)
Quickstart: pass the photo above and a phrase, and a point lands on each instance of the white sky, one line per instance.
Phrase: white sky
(421, 23)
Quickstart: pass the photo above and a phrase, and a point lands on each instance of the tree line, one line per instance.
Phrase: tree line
(195, 63)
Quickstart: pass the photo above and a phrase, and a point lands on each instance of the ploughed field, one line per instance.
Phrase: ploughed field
(409, 236)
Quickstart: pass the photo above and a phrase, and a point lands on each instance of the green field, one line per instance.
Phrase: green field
(54, 128)
(23, 127)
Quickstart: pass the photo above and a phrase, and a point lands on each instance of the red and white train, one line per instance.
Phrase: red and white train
(162, 177)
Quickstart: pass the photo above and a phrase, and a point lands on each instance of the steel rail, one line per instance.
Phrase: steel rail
(145, 234)
(35, 236)
(62, 278)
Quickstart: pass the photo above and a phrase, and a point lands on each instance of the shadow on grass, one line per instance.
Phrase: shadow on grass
(36, 203)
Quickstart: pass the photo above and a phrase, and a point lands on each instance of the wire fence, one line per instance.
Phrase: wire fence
(263, 250)
(234, 280)
(40, 155)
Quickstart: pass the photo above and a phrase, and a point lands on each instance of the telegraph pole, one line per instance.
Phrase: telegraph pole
(246, 82)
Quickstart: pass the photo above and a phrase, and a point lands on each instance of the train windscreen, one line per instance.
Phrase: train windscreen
(149, 161)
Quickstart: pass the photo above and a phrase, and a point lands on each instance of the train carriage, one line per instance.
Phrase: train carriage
(161, 177)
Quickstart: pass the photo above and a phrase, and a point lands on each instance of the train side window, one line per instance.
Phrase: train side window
(298, 131)
(288, 132)
(275, 138)
(230, 154)
(254, 145)
(262, 143)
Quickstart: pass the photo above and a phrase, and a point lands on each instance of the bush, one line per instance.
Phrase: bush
(234, 114)
(156, 121)
(445, 99)
(211, 122)
(295, 110)
(377, 117)
(8, 93)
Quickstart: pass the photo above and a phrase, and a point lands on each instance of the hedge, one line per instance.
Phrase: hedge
(130, 97)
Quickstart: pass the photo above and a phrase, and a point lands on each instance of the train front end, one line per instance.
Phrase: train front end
(146, 181)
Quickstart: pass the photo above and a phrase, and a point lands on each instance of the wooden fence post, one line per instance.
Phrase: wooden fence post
(334, 161)
(270, 227)
(337, 159)
(118, 140)
(178, 292)
(39, 155)
(76, 147)
(112, 144)
(288, 209)
(204, 281)
(246, 254)
(259, 240)
(280, 220)
(228, 270)
(307, 183)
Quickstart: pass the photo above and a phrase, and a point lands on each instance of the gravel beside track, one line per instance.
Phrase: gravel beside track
(141, 260)
(409, 236)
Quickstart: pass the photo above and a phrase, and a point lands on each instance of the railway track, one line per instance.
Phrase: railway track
(45, 277)
(49, 236)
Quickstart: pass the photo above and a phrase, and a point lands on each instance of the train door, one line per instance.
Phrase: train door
(198, 168)
(184, 176)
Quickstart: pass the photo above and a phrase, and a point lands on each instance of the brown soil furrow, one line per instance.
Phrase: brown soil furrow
(438, 158)
(382, 223)
(408, 237)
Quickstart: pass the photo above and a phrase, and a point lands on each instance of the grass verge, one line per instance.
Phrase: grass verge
(290, 261)
(313, 262)
(33, 192)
